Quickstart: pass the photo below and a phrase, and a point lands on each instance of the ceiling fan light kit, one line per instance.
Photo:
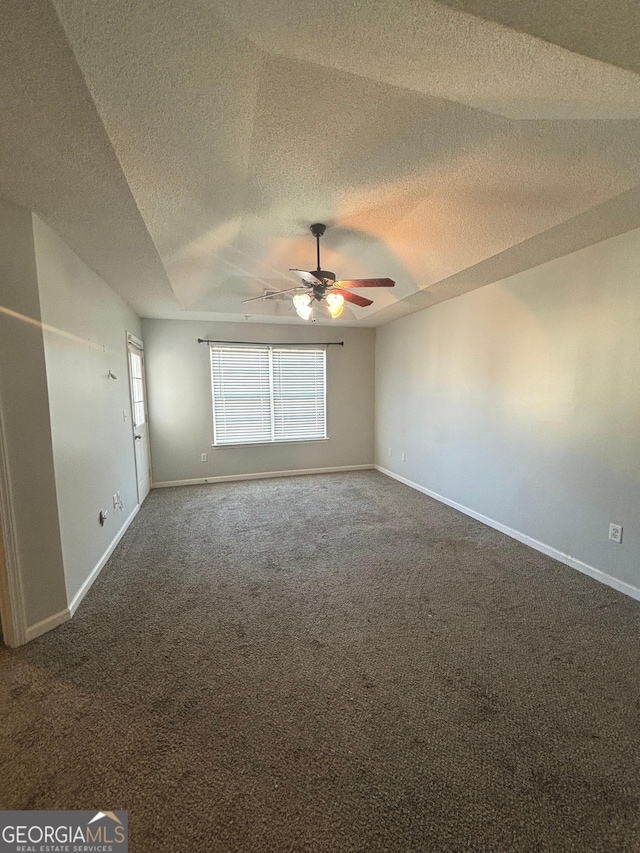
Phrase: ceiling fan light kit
(335, 303)
(322, 286)
(302, 304)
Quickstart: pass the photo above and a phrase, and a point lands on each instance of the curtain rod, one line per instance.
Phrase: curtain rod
(277, 344)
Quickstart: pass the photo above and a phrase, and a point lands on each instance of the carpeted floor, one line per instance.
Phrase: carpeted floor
(332, 663)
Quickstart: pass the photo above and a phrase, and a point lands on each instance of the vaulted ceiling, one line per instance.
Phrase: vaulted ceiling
(183, 147)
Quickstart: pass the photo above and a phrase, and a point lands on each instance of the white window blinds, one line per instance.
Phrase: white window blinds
(268, 394)
(298, 394)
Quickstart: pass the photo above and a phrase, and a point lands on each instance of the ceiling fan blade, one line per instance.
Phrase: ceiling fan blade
(353, 297)
(269, 295)
(366, 282)
(307, 277)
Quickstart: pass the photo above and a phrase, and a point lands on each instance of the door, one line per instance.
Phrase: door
(139, 413)
(12, 618)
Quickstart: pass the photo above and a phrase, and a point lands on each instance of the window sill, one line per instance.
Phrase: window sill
(270, 443)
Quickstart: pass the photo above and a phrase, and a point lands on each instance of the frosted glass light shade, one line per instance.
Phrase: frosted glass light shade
(335, 304)
(302, 304)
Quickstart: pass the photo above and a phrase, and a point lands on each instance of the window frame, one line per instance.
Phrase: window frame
(270, 348)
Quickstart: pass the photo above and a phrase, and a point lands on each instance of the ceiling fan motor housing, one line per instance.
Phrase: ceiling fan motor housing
(323, 275)
(319, 291)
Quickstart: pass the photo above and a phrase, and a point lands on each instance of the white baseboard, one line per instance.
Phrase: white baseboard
(262, 475)
(86, 586)
(56, 619)
(47, 624)
(603, 577)
(567, 559)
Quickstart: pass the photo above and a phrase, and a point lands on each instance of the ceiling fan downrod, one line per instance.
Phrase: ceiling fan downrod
(318, 229)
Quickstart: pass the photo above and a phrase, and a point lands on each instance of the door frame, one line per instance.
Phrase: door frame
(12, 613)
(134, 341)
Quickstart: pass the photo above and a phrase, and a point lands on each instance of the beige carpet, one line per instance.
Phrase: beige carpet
(332, 663)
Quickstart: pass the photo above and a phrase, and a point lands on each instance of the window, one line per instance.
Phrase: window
(267, 393)
(137, 389)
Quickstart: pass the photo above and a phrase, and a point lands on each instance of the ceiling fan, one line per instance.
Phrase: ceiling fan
(321, 285)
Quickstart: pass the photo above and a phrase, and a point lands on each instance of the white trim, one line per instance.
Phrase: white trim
(47, 624)
(270, 443)
(567, 559)
(61, 616)
(136, 347)
(603, 577)
(262, 475)
(12, 610)
(86, 586)
(132, 339)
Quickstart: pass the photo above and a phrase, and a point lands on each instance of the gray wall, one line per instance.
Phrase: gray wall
(84, 338)
(521, 401)
(25, 414)
(179, 395)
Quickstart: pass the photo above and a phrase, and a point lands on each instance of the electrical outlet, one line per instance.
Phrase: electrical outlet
(388, 451)
(404, 456)
(203, 457)
(115, 501)
(615, 533)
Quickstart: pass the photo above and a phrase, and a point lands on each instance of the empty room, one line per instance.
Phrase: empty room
(319, 426)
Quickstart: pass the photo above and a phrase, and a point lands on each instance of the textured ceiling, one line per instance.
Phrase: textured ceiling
(608, 30)
(182, 147)
(56, 159)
